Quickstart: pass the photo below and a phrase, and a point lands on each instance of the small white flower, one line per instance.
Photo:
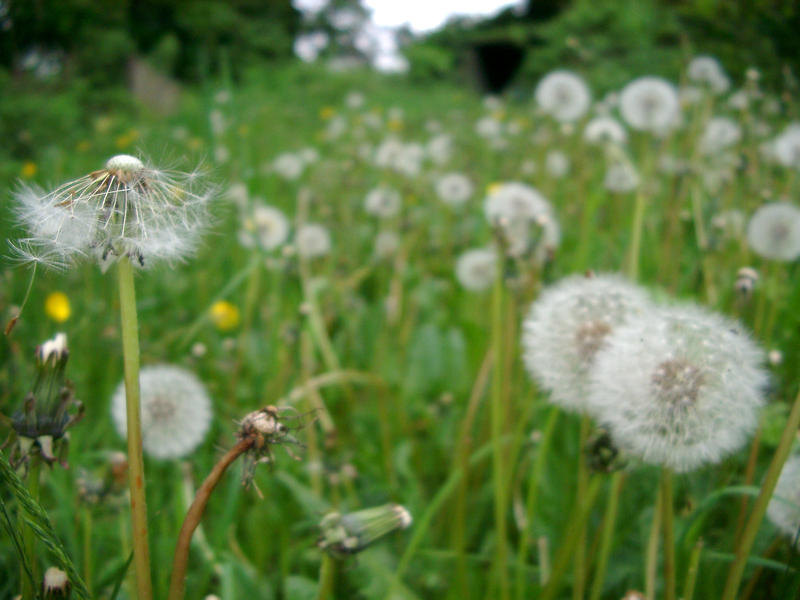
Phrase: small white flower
(312, 240)
(678, 387)
(476, 269)
(650, 104)
(454, 189)
(784, 507)
(568, 325)
(176, 411)
(563, 95)
(266, 227)
(125, 209)
(774, 231)
(605, 130)
(383, 202)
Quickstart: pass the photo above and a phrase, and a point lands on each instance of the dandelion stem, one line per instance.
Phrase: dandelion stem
(579, 555)
(28, 537)
(87, 547)
(327, 577)
(691, 572)
(760, 507)
(668, 524)
(651, 558)
(607, 534)
(177, 582)
(130, 352)
(636, 233)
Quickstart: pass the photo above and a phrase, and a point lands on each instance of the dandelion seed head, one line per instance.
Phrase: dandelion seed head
(454, 189)
(383, 202)
(525, 219)
(476, 269)
(176, 411)
(386, 244)
(566, 328)
(720, 133)
(774, 231)
(312, 240)
(621, 177)
(605, 130)
(266, 227)
(563, 95)
(650, 104)
(708, 71)
(678, 386)
(784, 507)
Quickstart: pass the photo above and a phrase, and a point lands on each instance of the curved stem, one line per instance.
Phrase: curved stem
(177, 580)
(130, 353)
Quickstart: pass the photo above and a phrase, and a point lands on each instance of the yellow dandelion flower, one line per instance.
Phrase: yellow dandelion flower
(493, 188)
(224, 315)
(395, 125)
(326, 112)
(28, 169)
(57, 307)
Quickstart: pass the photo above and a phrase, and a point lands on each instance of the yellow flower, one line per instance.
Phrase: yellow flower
(493, 187)
(56, 305)
(29, 169)
(224, 315)
(122, 141)
(326, 112)
(195, 143)
(395, 125)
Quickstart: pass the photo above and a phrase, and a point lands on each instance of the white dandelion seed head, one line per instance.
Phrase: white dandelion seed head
(312, 240)
(476, 269)
(730, 223)
(289, 166)
(175, 408)
(557, 163)
(605, 130)
(454, 189)
(489, 127)
(679, 387)
(719, 134)
(563, 95)
(784, 507)
(383, 202)
(568, 325)
(708, 71)
(266, 227)
(650, 104)
(774, 231)
(786, 147)
(440, 148)
(525, 218)
(387, 243)
(621, 177)
(126, 209)
(739, 100)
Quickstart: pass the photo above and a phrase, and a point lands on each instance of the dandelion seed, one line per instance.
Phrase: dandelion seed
(126, 209)
(774, 231)
(784, 507)
(224, 315)
(476, 269)
(568, 325)
(650, 104)
(176, 411)
(563, 95)
(679, 387)
(57, 307)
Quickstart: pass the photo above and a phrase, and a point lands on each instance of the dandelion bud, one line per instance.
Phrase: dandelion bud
(346, 534)
(746, 279)
(55, 584)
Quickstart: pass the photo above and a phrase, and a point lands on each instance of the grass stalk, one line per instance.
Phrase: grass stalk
(130, 352)
(579, 556)
(327, 577)
(668, 526)
(736, 571)
(607, 534)
(691, 571)
(651, 557)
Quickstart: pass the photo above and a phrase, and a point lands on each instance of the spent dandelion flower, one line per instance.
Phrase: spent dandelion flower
(678, 387)
(126, 209)
(454, 189)
(563, 95)
(312, 240)
(176, 411)
(383, 202)
(650, 104)
(784, 507)
(774, 231)
(476, 269)
(346, 534)
(224, 315)
(265, 227)
(57, 306)
(568, 326)
(55, 584)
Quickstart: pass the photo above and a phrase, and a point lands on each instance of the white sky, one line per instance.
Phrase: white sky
(425, 15)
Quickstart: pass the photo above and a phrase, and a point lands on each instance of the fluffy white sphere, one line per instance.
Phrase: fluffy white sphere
(774, 231)
(679, 387)
(784, 508)
(650, 104)
(563, 95)
(383, 202)
(312, 240)
(176, 411)
(454, 189)
(476, 269)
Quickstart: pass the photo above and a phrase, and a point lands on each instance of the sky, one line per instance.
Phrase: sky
(427, 15)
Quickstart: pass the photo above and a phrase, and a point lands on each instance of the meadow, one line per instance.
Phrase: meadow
(400, 368)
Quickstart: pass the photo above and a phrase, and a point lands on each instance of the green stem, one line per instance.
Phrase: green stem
(668, 524)
(497, 428)
(579, 556)
(130, 352)
(651, 558)
(576, 525)
(327, 577)
(87, 547)
(28, 537)
(636, 233)
(607, 535)
(760, 507)
(691, 572)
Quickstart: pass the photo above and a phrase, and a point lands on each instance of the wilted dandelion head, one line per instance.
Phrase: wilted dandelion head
(569, 324)
(126, 209)
(720, 133)
(650, 104)
(266, 227)
(774, 231)
(383, 202)
(312, 240)
(707, 71)
(476, 269)
(679, 387)
(176, 411)
(605, 130)
(454, 189)
(563, 95)
(784, 508)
